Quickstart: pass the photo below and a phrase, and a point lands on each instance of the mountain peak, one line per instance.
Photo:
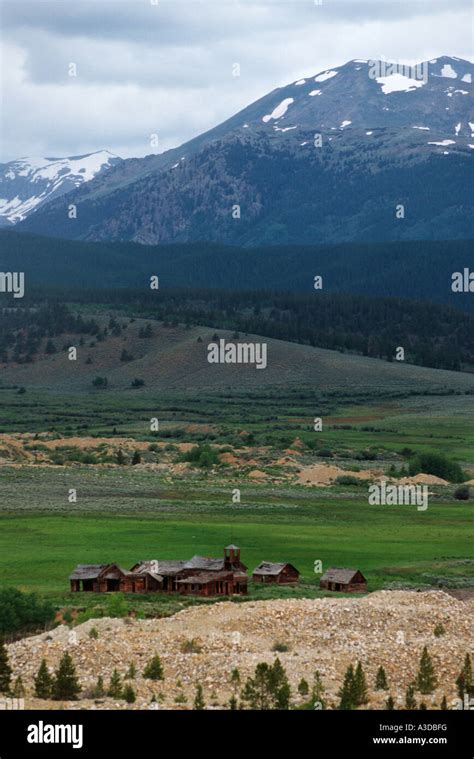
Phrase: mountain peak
(31, 181)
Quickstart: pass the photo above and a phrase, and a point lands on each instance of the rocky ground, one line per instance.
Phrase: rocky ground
(386, 628)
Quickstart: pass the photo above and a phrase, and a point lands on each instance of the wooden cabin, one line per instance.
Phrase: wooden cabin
(229, 562)
(106, 578)
(214, 584)
(343, 580)
(280, 573)
(162, 576)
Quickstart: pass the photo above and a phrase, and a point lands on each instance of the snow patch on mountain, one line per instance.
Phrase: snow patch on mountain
(448, 71)
(398, 83)
(279, 111)
(325, 76)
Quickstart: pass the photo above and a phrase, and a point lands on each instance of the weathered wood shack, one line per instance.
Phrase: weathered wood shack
(162, 575)
(343, 580)
(106, 578)
(214, 584)
(281, 573)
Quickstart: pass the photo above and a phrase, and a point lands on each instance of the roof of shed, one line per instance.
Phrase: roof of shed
(340, 574)
(86, 571)
(271, 567)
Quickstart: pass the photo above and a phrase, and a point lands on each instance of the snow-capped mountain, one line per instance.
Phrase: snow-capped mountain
(28, 183)
(326, 158)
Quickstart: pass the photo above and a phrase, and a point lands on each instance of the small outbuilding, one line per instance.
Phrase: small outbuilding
(280, 573)
(105, 578)
(343, 580)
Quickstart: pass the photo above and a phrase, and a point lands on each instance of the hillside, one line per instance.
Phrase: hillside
(385, 140)
(175, 358)
(324, 634)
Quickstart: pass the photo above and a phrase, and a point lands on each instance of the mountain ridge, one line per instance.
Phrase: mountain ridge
(385, 141)
(47, 178)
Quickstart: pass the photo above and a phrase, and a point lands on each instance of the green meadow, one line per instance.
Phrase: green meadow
(135, 515)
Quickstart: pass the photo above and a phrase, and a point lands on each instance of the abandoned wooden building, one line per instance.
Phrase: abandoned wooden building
(106, 578)
(343, 580)
(198, 576)
(214, 584)
(281, 573)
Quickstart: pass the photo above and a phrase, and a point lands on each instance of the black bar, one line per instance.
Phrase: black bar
(129, 733)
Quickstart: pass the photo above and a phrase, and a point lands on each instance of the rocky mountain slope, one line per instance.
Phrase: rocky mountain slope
(324, 159)
(388, 628)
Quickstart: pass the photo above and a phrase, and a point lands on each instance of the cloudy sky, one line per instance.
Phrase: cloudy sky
(166, 66)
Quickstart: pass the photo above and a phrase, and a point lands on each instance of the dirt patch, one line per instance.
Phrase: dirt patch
(326, 474)
(423, 479)
(257, 474)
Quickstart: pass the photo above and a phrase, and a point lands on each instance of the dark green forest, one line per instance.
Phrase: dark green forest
(415, 270)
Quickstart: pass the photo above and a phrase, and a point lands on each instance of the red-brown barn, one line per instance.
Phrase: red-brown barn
(281, 573)
(343, 580)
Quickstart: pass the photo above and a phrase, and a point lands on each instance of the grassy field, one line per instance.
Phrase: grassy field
(136, 516)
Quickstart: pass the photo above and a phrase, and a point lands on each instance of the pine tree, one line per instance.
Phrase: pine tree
(347, 693)
(390, 704)
(317, 695)
(136, 458)
(422, 707)
(410, 702)
(115, 686)
(235, 676)
(199, 703)
(444, 704)
(303, 687)
(99, 690)
(43, 681)
(18, 688)
(66, 685)
(381, 679)
(426, 679)
(120, 457)
(233, 706)
(269, 688)
(279, 685)
(129, 694)
(464, 681)
(256, 691)
(360, 686)
(5, 669)
(154, 669)
(131, 672)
